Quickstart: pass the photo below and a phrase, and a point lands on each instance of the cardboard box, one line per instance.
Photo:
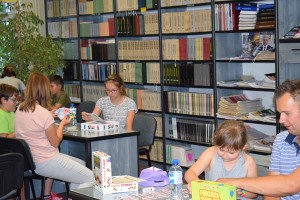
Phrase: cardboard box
(125, 184)
(209, 190)
(102, 170)
(99, 126)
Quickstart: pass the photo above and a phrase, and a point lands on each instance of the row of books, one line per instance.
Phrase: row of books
(238, 105)
(138, 49)
(254, 16)
(159, 129)
(93, 92)
(226, 17)
(191, 130)
(71, 71)
(167, 3)
(61, 8)
(186, 21)
(137, 24)
(188, 74)
(187, 49)
(71, 50)
(140, 72)
(184, 154)
(98, 49)
(73, 91)
(63, 29)
(95, 71)
(94, 29)
(244, 16)
(145, 99)
(156, 152)
(87, 7)
(190, 103)
(265, 16)
(130, 5)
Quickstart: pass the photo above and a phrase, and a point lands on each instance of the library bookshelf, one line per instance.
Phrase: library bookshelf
(176, 58)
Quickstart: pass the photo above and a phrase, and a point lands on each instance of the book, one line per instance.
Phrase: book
(261, 6)
(246, 6)
(266, 115)
(293, 32)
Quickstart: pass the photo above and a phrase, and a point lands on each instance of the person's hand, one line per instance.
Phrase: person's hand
(189, 188)
(223, 180)
(239, 191)
(85, 117)
(66, 120)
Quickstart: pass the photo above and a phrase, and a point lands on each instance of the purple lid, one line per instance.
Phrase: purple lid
(154, 177)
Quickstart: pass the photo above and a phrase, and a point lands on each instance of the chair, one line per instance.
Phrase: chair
(146, 124)
(85, 106)
(8, 145)
(11, 175)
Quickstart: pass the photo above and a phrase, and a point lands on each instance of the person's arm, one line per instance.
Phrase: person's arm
(269, 197)
(275, 185)
(8, 135)
(251, 172)
(86, 118)
(199, 166)
(55, 136)
(129, 119)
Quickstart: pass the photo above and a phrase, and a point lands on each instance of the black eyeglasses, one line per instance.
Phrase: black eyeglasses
(15, 100)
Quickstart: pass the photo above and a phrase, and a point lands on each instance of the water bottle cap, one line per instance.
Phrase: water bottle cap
(175, 162)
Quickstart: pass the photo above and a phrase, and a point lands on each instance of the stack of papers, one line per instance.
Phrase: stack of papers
(238, 105)
(267, 115)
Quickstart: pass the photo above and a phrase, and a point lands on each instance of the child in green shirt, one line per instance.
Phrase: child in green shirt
(59, 97)
(8, 104)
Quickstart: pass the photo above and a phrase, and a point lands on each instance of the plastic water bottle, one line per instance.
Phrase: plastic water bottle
(175, 176)
(73, 110)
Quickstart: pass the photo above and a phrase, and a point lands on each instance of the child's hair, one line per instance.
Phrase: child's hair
(231, 134)
(7, 91)
(8, 71)
(117, 81)
(57, 80)
(37, 91)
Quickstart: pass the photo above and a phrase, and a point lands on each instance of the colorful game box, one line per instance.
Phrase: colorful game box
(209, 190)
(105, 182)
(125, 184)
(102, 170)
(99, 126)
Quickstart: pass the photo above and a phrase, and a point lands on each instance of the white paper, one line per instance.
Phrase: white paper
(96, 118)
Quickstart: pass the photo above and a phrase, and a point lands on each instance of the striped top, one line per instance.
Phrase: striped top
(285, 157)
